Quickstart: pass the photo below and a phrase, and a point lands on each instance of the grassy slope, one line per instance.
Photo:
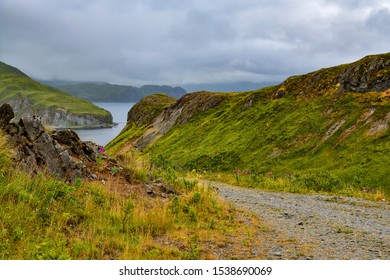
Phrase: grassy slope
(286, 136)
(147, 109)
(14, 84)
(41, 218)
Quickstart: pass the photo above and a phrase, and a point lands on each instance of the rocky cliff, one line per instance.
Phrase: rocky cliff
(55, 108)
(59, 117)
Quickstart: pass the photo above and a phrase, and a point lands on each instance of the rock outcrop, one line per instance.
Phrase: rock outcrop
(58, 118)
(169, 113)
(370, 74)
(60, 153)
(146, 110)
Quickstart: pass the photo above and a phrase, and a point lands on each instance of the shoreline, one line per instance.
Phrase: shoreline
(84, 127)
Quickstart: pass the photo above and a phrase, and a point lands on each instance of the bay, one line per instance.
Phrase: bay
(102, 136)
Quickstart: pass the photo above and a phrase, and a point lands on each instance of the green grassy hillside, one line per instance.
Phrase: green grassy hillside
(105, 92)
(323, 131)
(15, 85)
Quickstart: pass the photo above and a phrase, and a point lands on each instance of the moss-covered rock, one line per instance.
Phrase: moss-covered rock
(371, 73)
(146, 110)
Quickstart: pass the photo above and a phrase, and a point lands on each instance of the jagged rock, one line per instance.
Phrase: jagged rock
(32, 126)
(158, 187)
(65, 158)
(149, 191)
(71, 139)
(366, 76)
(67, 137)
(61, 154)
(164, 187)
(167, 189)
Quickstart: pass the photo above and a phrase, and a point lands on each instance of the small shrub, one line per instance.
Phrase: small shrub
(174, 206)
(189, 185)
(320, 181)
(135, 175)
(5, 156)
(195, 198)
(128, 212)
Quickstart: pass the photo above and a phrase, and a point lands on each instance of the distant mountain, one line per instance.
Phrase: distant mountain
(228, 87)
(106, 92)
(55, 108)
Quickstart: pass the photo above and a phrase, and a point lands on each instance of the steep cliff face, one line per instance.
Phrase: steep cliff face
(58, 117)
(55, 108)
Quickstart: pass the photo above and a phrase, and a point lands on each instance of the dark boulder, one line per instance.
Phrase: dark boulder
(279, 94)
(6, 115)
(32, 127)
(67, 137)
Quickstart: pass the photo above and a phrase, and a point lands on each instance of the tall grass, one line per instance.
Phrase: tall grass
(301, 182)
(41, 218)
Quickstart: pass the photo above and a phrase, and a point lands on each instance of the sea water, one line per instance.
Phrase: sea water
(102, 136)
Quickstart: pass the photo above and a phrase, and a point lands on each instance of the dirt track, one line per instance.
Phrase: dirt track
(315, 226)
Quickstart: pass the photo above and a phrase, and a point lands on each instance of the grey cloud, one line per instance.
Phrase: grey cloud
(177, 42)
(379, 21)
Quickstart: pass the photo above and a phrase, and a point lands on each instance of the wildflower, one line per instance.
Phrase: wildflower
(270, 173)
(101, 149)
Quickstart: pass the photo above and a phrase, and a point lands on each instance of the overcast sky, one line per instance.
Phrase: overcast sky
(179, 42)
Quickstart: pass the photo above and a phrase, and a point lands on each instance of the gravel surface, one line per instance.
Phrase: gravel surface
(303, 226)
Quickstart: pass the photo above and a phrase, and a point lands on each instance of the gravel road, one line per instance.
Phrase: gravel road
(315, 226)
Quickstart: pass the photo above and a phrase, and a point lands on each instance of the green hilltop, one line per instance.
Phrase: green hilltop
(106, 92)
(324, 131)
(30, 97)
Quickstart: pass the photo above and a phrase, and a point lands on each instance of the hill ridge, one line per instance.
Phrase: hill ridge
(107, 92)
(309, 126)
